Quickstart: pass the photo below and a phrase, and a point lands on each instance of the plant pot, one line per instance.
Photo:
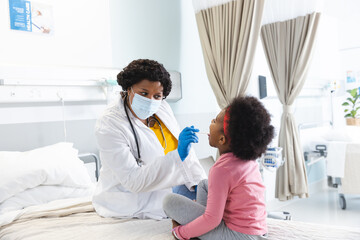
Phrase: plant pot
(353, 121)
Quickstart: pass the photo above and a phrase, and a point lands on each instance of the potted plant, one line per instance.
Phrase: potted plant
(352, 107)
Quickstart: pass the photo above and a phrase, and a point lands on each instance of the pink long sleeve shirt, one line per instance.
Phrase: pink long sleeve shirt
(236, 195)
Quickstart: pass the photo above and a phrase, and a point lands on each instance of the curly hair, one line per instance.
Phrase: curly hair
(141, 69)
(248, 127)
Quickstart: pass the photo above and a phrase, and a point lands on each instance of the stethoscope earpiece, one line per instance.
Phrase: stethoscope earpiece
(161, 130)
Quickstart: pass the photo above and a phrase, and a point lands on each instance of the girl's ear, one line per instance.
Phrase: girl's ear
(222, 140)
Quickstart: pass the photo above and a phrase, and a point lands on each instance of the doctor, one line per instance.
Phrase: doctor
(142, 151)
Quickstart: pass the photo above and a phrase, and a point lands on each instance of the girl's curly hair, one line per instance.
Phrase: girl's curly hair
(248, 127)
(141, 69)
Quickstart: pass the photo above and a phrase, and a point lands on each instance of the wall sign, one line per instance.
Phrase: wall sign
(31, 16)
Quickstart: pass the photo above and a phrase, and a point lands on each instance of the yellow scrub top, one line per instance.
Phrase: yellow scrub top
(172, 142)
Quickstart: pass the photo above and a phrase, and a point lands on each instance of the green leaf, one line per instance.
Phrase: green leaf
(345, 104)
(348, 115)
(350, 100)
(353, 113)
(346, 110)
(353, 92)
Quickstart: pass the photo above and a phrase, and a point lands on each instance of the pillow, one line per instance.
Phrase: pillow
(56, 164)
(337, 135)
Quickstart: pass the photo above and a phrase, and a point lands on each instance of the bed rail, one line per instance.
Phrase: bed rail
(96, 160)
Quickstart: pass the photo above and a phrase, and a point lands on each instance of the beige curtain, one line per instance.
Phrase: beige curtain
(229, 34)
(288, 47)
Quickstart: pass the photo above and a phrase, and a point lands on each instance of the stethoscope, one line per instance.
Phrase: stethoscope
(138, 159)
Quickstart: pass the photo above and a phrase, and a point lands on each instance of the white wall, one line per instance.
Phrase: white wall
(81, 36)
(346, 13)
(146, 29)
(349, 39)
(79, 48)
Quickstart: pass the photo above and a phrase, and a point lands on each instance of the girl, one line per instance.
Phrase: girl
(230, 205)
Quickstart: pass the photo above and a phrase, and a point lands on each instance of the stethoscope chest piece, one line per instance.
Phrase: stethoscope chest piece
(139, 162)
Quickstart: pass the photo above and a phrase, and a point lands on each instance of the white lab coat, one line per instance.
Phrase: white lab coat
(126, 190)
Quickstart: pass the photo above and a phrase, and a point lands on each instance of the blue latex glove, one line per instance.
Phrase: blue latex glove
(186, 137)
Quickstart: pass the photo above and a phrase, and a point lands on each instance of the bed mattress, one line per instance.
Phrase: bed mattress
(79, 221)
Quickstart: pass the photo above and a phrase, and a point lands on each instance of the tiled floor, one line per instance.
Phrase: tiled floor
(324, 208)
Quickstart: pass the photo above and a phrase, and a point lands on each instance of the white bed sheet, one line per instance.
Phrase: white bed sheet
(41, 195)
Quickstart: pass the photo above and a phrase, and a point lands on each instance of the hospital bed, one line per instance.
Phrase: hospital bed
(71, 215)
(340, 148)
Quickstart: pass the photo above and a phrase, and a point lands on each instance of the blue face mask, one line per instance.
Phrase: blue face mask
(144, 107)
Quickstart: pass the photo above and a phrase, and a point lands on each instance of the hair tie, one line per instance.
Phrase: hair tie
(226, 122)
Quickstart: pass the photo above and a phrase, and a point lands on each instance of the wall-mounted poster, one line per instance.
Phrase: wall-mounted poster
(31, 16)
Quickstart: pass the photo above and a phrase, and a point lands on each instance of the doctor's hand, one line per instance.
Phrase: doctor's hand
(186, 137)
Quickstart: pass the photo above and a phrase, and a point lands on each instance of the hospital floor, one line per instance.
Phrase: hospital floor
(324, 208)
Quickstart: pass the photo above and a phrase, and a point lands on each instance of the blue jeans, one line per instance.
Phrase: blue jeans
(184, 191)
